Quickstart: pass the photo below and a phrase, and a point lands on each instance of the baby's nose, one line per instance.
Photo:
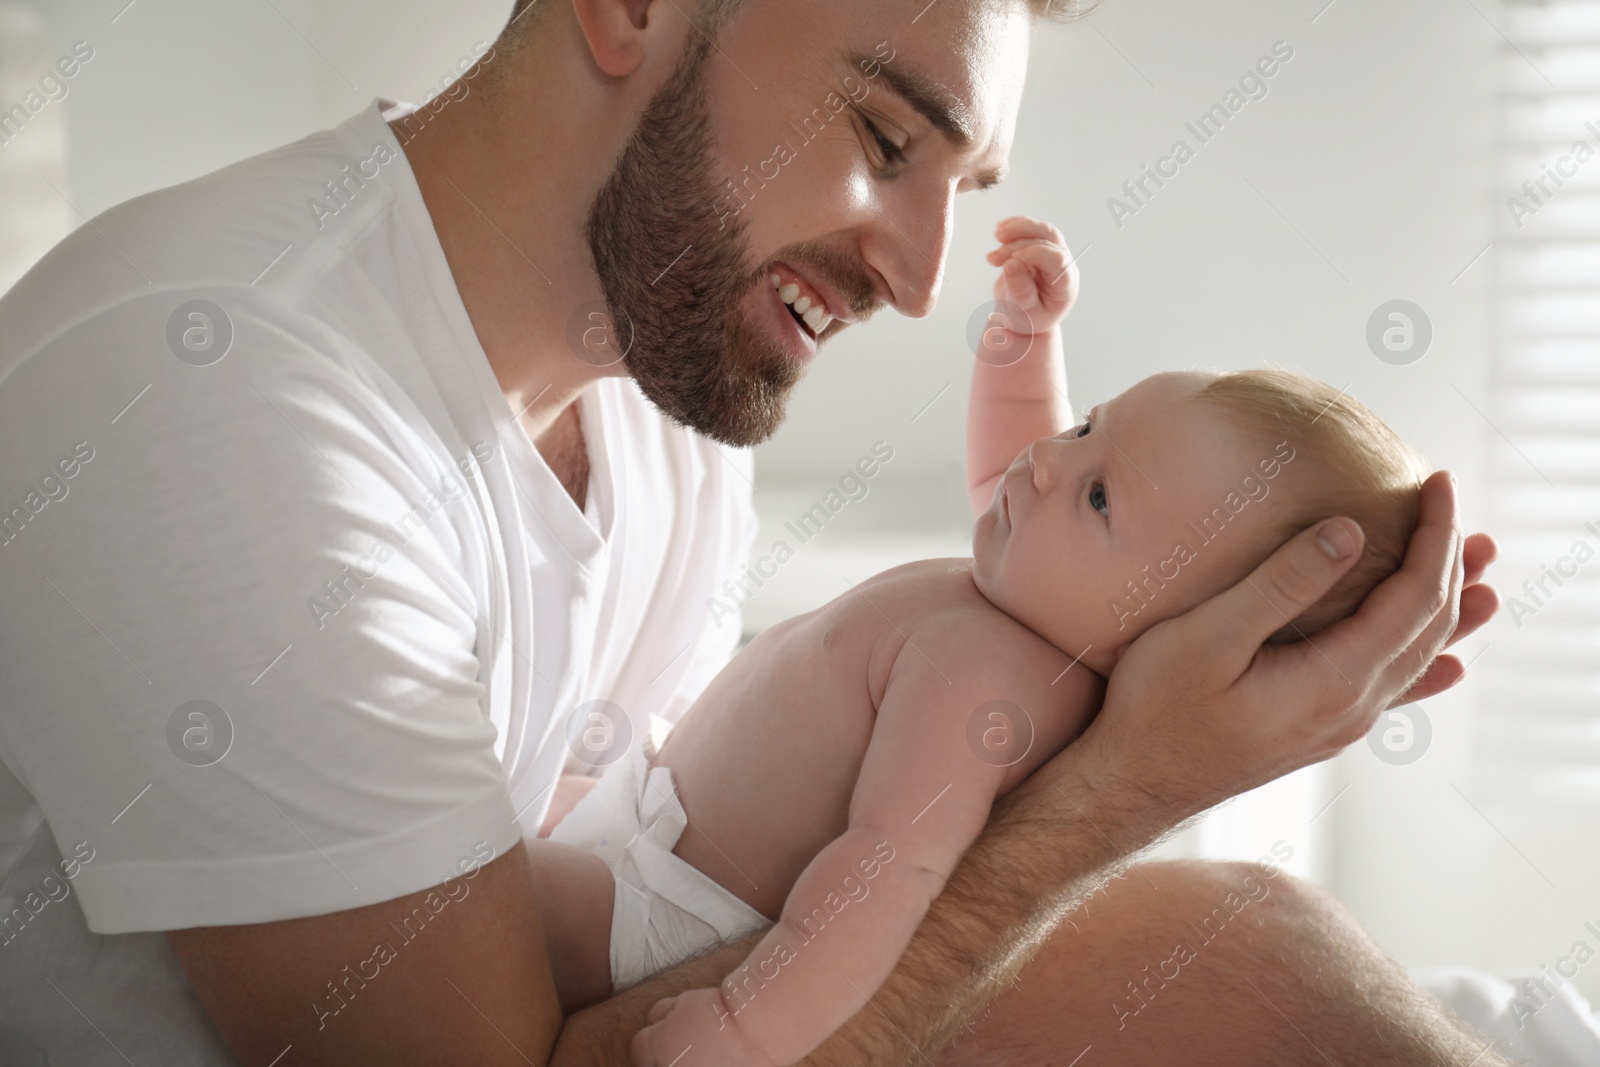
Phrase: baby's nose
(1039, 466)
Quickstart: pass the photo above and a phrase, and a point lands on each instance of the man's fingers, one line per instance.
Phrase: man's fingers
(1436, 635)
(1441, 674)
(1407, 603)
(1478, 605)
(1420, 653)
(1291, 580)
(1480, 551)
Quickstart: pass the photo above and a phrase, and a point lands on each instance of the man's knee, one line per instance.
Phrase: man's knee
(1212, 963)
(1258, 916)
(1204, 879)
(1206, 900)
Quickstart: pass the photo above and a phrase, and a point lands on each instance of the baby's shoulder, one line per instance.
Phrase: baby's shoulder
(967, 636)
(972, 673)
(981, 641)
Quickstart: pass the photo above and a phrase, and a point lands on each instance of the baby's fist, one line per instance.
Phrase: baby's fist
(696, 1028)
(1037, 272)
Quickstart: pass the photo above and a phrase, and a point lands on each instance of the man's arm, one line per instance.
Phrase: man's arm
(453, 974)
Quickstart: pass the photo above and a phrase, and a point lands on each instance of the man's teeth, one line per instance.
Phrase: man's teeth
(814, 316)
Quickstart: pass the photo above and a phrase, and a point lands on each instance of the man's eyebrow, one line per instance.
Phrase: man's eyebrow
(945, 114)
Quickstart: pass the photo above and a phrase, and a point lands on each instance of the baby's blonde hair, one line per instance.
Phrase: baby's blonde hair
(1348, 462)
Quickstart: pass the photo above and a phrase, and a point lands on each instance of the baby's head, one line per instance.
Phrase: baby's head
(1177, 489)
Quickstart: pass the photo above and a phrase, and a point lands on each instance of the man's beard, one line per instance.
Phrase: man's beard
(673, 275)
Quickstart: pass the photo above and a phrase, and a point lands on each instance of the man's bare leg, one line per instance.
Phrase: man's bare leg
(1281, 974)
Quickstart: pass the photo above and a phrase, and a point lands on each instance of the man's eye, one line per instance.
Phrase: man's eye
(1098, 499)
(891, 151)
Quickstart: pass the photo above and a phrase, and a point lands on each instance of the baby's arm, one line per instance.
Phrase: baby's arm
(1015, 401)
(922, 797)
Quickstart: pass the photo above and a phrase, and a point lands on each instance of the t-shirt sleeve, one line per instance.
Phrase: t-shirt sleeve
(240, 640)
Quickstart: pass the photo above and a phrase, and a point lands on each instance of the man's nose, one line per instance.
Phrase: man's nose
(914, 237)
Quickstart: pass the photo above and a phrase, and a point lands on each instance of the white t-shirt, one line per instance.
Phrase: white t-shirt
(295, 616)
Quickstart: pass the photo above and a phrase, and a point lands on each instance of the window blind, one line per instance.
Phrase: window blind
(1540, 711)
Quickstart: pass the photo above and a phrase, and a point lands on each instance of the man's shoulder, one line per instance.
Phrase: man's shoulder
(250, 226)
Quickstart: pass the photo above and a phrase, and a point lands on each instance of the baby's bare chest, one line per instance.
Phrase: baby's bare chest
(826, 672)
(768, 758)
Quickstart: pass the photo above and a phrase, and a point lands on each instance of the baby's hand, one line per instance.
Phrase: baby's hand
(1037, 272)
(696, 1022)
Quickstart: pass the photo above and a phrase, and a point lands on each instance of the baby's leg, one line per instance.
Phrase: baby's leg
(575, 890)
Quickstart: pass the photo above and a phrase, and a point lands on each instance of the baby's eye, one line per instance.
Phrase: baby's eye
(1082, 431)
(1098, 499)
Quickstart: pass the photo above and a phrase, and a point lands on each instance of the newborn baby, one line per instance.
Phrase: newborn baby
(831, 776)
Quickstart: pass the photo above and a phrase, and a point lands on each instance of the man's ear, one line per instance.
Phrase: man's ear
(614, 30)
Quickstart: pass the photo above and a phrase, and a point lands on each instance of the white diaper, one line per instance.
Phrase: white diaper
(665, 909)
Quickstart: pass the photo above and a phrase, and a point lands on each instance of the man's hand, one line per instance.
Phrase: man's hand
(1198, 709)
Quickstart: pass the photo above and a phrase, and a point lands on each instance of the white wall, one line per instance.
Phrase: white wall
(1362, 176)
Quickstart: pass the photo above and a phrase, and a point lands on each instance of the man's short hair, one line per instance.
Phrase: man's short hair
(1042, 10)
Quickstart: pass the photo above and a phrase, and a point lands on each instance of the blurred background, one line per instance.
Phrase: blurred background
(1385, 161)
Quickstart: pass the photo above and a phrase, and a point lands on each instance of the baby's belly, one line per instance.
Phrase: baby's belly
(767, 759)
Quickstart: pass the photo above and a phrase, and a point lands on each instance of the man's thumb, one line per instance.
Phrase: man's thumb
(1288, 582)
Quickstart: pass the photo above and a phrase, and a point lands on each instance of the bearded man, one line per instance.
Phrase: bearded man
(373, 471)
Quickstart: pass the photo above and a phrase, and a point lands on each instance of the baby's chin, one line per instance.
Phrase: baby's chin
(1096, 651)
(982, 569)
(982, 578)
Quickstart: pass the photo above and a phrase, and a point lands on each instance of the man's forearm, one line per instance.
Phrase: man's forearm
(1042, 854)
